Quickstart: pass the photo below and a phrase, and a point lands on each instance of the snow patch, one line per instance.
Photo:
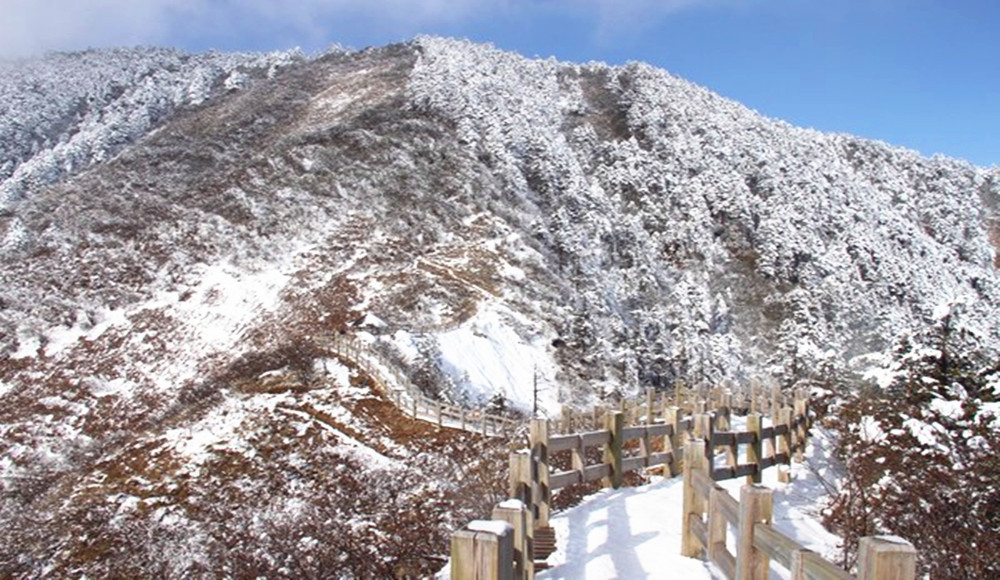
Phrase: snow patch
(338, 373)
(29, 342)
(948, 408)
(486, 356)
(100, 387)
(870, 429)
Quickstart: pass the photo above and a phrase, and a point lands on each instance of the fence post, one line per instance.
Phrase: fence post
(650, 413)
(672, 416)
(515, 513)
(886, 558)
(725, 410)
(577, 458)
(755, 451)
(520, 476)
(483, 551)
(800, 419)
(703, 428)
(756, 507)
(614, 422)
(784, 443)
(540, 471)
(694, 503)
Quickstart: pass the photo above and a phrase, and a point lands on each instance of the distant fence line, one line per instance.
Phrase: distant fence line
(411, 400)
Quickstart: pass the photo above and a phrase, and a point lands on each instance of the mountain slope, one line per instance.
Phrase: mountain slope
(494, 225)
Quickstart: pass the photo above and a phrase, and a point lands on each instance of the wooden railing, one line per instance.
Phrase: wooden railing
(411, 400)
(710, 512)
(653, 406)
(657, 441)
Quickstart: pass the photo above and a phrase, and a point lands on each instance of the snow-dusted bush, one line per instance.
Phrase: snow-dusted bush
(922, 452)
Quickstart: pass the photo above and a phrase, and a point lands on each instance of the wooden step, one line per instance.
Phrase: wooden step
(545, 543)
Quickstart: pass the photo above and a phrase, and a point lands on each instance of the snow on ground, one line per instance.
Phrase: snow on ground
(636, 532)
(486, 355)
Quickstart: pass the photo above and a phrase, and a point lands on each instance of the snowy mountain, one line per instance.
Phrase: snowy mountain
(175, 227)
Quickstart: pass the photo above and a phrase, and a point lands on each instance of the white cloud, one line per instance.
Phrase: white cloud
(29, 26)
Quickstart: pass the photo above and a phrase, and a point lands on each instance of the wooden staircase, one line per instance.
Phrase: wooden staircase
(545, 544)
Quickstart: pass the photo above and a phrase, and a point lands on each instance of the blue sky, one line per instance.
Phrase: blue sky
(918, 73)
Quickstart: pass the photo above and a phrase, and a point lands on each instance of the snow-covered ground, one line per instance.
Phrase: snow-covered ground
(636, 532)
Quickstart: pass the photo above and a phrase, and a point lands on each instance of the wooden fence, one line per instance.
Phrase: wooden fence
(655, 437)
(411, 400)
(710, 514)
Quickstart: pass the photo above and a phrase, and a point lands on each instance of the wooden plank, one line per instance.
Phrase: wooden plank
(767, 433)
(729, 507)
(630, 433)
(701, 483)
(564, 443)
(725, 561)
(564, 478)
(659, 429)
(717, 525)
(661, 458)
(723, 438)
(776, 545)
(595, 438)
(814, 567)
(596, 472)
(747, 470)
(746, 438)
(723, 473)
(633, 463)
